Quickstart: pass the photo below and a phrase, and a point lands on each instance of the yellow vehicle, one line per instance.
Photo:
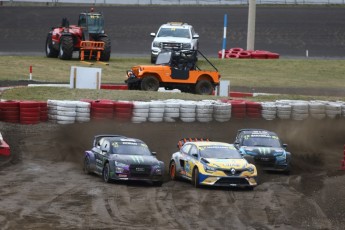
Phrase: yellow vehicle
(174, 69)
(211, 163)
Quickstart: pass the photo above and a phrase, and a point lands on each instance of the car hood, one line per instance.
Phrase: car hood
(172, 40)
(135, 159)
(226, 163)
(263, 151)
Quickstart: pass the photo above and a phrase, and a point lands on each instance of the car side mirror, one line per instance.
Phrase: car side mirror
(285, 146)
(154, 153)
(237, 145)
(196, 36)
(153, 34)
(195, 155)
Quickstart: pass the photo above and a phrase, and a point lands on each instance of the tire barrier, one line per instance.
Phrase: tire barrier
(9, 111)
(171, 110)
(30, 112)
(248, 54)
(123, 110)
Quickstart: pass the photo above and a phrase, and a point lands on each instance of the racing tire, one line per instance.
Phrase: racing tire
(150, 83)
(66, 48)
(195, 178)
(50, 51)
(172, 171)
(86, 166)
(105, 54)
(106, 173)
(203, 87)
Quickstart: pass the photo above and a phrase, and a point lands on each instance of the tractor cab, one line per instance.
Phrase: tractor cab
(92, 22)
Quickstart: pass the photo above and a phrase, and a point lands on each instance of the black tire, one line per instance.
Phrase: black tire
(172, 171)
(195, 178)
(106, 173)
(105, 54)
(204, 87)
(66, 48)
(86, 167)
(50, 51)
(150, 83)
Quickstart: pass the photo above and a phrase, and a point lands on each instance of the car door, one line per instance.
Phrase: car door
(101, 155)
(191, 160)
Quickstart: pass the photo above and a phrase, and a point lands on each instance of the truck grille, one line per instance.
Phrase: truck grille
(171, 45)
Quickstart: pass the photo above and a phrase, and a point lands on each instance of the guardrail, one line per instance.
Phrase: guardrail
(175, 2)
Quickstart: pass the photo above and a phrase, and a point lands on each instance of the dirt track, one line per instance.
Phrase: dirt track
(43, 187)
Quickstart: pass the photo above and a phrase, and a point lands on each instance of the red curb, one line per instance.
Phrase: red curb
(116, 87)
(240, 94)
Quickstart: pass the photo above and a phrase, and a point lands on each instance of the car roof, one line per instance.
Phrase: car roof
(176, 25)
(250, 131)
(210, 143)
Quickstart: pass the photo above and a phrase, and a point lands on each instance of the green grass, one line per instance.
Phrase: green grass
(246, 73)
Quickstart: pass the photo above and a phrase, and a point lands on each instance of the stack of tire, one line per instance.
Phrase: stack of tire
(300, 110)
(269, 110)
(222, 111)
(248, 54)
(188, 111)
(140, 111)
(238, 109)
(43, 111)
(317, 109)
(333, 110)
(284, 109)
(123, 110)
(253, 109)
(52, 110)
(343, 109)
(172, 110)
(83, 110)
(156, 111)
(204, 111)
(66, 112)
(30, 112)
(102, 110)
(9, 111)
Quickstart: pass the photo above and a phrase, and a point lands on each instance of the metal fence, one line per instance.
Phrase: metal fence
(175, 2)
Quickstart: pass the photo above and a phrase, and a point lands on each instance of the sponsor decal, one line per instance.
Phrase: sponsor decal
(138, 159)
(140, 169)
(264, 151)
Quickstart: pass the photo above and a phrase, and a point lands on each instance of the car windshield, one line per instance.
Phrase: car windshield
(262, 141)
(130, 148)
(163, 58)
(219, 152)
(174, 32)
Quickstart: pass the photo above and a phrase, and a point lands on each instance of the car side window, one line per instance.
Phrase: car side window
(193, 151)
(185, 149)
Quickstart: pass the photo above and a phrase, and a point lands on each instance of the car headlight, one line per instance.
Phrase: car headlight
(186, 46)
(120, 167)
(156, 44)
(209, 168)
(250, 169)
(157, 170)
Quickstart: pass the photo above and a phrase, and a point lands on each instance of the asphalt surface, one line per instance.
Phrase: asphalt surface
(287, 30)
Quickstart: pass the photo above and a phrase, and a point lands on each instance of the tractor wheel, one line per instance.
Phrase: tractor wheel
(50, 51)
(66, 48)
(150, 83)
(105, 54)
(204, 87)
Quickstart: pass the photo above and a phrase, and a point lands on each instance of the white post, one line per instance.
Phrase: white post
(251, 25)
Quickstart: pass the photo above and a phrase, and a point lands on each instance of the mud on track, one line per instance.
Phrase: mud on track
(43, 186)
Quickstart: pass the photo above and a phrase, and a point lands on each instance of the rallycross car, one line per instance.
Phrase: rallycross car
(116, 157)
(263, 148)
(211, 163)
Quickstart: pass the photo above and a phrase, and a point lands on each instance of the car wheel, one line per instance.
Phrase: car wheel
(150, 83)
(204, 87)
(66, 48)
(86, 165)
(172, 171)
(106, 173)
(195, 178)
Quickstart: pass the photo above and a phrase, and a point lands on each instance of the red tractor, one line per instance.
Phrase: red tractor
(85, 37)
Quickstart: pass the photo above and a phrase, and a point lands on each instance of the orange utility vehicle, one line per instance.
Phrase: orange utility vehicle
(174, 69)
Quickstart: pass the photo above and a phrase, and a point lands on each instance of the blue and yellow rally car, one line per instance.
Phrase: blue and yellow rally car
(211, 163)
(264, 149)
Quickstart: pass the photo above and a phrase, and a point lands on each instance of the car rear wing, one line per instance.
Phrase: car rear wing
(181, 142)
(99, 137)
